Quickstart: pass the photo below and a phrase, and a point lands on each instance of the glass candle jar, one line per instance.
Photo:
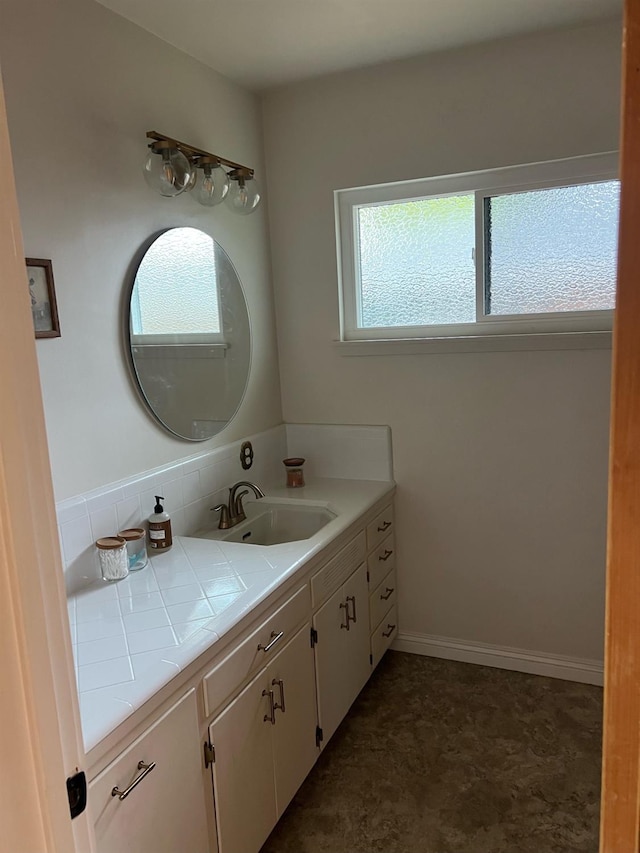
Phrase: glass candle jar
(295, 477)
(136, 540)
(113, 559)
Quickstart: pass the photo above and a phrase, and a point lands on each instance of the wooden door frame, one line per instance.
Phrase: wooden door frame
(39, 715)
(620, 812)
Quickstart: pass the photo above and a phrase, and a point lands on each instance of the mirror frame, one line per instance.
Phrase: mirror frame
(125, 312)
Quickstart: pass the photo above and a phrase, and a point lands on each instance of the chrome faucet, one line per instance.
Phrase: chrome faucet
(234, 513)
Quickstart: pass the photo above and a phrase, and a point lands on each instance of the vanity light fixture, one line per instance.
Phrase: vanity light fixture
(212, 183)
(166, 168)
(244, 194)
(173, 167)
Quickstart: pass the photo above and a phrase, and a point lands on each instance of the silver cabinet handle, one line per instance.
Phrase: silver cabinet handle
(389, 593)
(270, 645)
(385, 526)
(280, 684)
(346, 609)
(146, 769)
(352, 599)
(271, 716)
(390, 631)
(385, 556)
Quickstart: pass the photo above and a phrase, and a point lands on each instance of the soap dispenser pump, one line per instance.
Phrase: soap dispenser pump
(160, 538)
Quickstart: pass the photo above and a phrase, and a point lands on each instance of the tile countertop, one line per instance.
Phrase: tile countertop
(132, 637)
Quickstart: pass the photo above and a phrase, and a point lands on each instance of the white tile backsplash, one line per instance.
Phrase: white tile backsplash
(76, 538)
(71, 509)
(128, 513)
(104, 522)
(101, 498)
(193, 485)
(172, 493)
(80, 563)
(342, 451)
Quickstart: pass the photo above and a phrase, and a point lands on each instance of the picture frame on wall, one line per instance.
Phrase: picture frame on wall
(43, 298)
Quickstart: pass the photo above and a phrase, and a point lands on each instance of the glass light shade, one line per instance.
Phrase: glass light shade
(212, 184)
(244, 194)
(166, 170)
(194, 177)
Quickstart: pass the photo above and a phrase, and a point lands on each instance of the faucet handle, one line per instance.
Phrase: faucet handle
(223, 524)
(238, 510)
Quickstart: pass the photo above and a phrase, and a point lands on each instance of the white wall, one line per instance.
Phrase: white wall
(83, 86)
(500, 458)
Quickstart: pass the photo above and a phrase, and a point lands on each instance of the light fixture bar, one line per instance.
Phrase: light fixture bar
(191, 151)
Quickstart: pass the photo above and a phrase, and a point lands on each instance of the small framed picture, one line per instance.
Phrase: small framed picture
(43, 298)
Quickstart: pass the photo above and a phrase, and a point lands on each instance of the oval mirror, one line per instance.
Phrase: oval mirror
(189, 334)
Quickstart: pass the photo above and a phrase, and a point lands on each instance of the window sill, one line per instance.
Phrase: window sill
(477, 343)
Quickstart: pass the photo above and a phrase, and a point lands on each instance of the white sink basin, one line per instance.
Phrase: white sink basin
(271, 523)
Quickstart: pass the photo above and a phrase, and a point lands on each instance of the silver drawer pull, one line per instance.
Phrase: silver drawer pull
(346, 610)
(388, 633)
(385, 526)
(389, 591)
(352, 599)
(385, 556)
(271, 716)
(146, 769)
(270, 645)
(280, 683)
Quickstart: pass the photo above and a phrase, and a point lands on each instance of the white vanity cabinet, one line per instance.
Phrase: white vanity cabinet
(261, 707)
(265, 745)
(161, 809)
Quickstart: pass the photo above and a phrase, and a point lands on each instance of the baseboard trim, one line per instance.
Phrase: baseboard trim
(553, 666)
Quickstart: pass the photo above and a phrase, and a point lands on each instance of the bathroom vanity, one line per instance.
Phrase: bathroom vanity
(203, 748)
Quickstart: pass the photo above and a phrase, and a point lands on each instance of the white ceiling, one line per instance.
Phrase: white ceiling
(264, 43)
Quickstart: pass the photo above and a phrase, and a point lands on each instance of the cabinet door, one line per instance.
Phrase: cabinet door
(356, 592)
(292, 678)
(165, 812)
(243, 770)
(332, 665)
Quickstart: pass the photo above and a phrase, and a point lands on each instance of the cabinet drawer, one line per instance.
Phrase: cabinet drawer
(380, 527)
(382, 598)
(325, 582)
(166, 810)
(232, 671)
(381, 561)
(384, 635)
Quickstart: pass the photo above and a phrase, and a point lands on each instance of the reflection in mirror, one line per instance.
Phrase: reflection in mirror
(189, 334)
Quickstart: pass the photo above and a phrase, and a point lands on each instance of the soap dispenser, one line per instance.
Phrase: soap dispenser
(160, 538)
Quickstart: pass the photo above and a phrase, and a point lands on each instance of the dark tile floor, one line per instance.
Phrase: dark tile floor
(443, 757)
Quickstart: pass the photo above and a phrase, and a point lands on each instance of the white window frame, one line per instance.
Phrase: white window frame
(512, 179)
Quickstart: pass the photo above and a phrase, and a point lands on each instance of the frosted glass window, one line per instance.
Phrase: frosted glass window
(416, 262)
(191, 304)
(552, 250)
